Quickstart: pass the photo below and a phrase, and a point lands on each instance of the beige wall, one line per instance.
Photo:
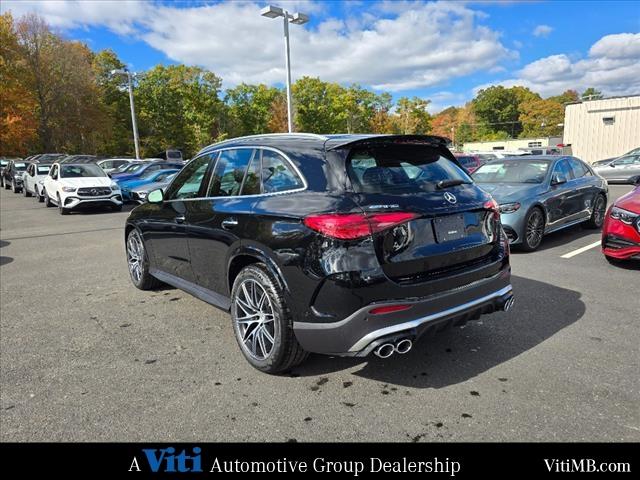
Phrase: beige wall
(591, 139)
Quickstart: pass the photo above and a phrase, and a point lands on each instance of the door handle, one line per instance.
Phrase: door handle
(180, 219)
(229, 223)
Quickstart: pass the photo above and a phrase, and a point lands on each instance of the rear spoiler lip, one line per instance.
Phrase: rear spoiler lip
(432, 140)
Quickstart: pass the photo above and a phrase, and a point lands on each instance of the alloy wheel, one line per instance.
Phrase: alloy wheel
(255, 319)
(534, 229)
(599, 211)
(135, 255)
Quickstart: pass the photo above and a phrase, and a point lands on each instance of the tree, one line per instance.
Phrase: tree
(412, 117)
(316, 108)
(250, 108)
(567, 96)
(112, 91)
(592, 94)
(59, 73)
(540, 118)
(496, 109)
(17, 104)
(179, 107)
(443, 123)
(278, 121)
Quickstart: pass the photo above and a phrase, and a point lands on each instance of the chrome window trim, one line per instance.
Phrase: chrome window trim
(250, 147)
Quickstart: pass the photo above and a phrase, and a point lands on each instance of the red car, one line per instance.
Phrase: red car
(469, 161)
(621, 229)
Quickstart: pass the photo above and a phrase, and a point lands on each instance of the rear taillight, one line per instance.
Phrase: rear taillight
(351, 226)
(491, 220)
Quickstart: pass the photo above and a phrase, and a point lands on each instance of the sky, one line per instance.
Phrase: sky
(441, 51)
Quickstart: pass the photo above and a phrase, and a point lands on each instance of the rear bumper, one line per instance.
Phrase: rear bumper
(361, 332)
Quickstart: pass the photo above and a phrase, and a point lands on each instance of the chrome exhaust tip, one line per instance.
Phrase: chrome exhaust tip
(385, 350)
(403, 346)
(508, 304)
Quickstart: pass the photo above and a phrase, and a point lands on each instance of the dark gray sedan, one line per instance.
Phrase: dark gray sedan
(541, 194)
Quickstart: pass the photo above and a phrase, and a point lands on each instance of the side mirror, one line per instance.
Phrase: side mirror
(558, 179)
(155, 196)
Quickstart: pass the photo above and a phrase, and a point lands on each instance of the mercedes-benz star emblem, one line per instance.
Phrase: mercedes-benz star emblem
(94, 191)
(450, 197)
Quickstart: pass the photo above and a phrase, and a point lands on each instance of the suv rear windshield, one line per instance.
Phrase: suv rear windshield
(401, 169)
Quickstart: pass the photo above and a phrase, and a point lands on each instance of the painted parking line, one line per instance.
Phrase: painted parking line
(580, 250)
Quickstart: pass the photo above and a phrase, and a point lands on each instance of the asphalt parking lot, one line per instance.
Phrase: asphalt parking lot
(85, 356)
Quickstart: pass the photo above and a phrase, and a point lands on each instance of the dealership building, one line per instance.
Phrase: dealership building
(599, 129)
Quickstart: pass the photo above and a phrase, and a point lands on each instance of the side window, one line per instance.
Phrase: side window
(579, 170)
(251, 185)
(187, 183)
(277, 175)
(562, 167)
(228, 175)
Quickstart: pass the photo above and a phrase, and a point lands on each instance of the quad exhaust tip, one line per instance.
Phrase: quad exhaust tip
(508, 304)
(387, 349)
(403, 346)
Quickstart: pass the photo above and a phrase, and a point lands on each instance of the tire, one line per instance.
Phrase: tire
(25, 192)
(39, 197)
(533, 230)
(137, 255)
(47, 201)
(61, 209)
(255, 291)
(599, 211)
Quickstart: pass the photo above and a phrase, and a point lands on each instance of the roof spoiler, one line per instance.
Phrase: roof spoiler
(432, 140)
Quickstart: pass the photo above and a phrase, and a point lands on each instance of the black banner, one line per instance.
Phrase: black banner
(455, 460)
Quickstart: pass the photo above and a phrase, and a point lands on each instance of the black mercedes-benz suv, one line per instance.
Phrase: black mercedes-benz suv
(336, 244)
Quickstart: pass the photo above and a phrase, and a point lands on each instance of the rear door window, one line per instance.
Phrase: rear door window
(228, 175)
(578, 168)
(401, 169)
(277, 174)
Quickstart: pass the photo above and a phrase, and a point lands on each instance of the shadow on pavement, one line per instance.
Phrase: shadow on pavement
(456, 355)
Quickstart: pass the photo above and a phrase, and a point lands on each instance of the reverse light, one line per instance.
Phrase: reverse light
(389, 309)
(351, 226)
(509, 207)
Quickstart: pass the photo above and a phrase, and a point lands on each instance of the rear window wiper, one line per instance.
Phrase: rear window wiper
(450, 183)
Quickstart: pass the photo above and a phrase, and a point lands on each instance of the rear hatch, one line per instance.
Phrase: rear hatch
(455, 224)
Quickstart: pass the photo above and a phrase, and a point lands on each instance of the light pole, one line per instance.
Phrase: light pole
(125, 71)
(297, 18)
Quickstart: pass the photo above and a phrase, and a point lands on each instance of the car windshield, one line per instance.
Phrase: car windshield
(133, 168)
(77, 171)
(401, 169)
(20, 166)
(513, 171)
(43, 169)
(148, 174)
(466, 160)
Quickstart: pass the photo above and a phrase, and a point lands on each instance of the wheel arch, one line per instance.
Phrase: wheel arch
(245, 255)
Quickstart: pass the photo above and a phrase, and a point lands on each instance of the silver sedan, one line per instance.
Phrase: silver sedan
(540, 194)
(625, 169)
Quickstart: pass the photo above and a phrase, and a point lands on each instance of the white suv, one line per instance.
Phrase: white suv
(33, 180)
(71, 186)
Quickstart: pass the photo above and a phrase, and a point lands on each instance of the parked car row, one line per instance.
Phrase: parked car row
(71, 182)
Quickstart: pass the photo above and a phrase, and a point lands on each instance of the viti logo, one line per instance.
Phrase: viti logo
(167, 460)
